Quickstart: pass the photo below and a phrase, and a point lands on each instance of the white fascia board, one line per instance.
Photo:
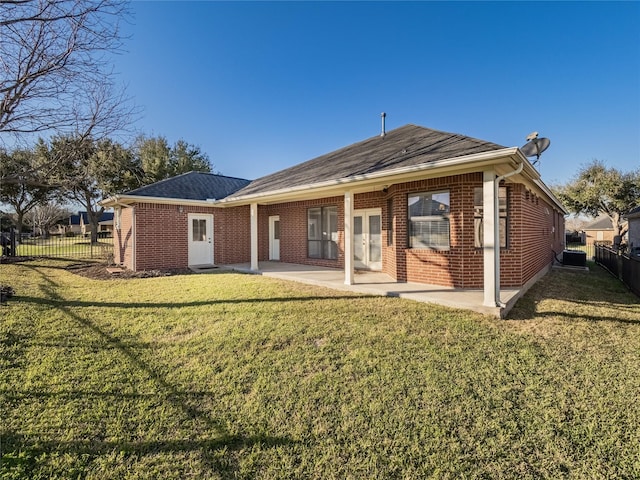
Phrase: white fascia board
(123, 200)
(551, 196)
(442, 167)
(530, 174)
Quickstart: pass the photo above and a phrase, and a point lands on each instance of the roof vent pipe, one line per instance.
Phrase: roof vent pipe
(383, 115)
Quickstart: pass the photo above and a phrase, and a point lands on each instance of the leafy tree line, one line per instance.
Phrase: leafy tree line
(601, 190)
(85, 170)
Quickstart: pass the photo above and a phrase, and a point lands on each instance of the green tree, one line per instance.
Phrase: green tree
(188, 158)
(159, 160)
(597, 189)
(89, 171)
(28, 190)
(154, 156)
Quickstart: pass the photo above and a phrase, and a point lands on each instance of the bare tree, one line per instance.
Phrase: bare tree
(44, 216)
(54, 64)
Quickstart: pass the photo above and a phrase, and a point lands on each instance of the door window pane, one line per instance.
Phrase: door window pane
(199, 230)
(375, 249)
(358, 253)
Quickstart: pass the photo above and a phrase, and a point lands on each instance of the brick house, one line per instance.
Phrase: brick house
(79, 224)
(599, 231)
(418, 204)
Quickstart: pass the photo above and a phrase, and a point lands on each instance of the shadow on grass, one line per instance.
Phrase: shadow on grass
(59, 303)
(13, 346)
(20, 455)
(15, 446)
(35, 447)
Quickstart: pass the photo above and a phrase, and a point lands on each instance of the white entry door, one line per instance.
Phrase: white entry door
(274, 238)
(367, 239)
(200, 239)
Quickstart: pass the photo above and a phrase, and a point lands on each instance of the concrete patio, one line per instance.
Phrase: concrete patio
(377, 283)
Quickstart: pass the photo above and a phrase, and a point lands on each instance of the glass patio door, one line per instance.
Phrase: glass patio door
(367, 239)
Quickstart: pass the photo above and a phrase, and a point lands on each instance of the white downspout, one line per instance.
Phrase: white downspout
(496, 230)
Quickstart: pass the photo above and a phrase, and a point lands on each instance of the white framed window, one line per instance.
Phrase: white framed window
(478, 227)
(322, 232)
(429, 220)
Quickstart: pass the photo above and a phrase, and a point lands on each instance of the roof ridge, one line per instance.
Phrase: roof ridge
(219, 175)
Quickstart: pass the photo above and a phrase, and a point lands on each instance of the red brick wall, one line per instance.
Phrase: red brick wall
(293, 231)
(232, 235)
(534, 230)
(541, 233)
(161, 235)
(123, 239)
(456, 266)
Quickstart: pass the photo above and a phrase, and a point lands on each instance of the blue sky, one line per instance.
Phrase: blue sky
(263, 86)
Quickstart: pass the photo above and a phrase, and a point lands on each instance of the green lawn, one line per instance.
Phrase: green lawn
(240, 376)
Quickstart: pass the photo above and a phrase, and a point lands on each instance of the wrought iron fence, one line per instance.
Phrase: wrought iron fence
(58, 246)
(626, 268)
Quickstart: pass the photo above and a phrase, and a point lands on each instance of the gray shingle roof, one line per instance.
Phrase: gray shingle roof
(75, 219)
(601, 222)
(405, 146)
(192, 186)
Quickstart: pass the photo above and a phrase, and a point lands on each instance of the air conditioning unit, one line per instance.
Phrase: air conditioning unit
(574, 258)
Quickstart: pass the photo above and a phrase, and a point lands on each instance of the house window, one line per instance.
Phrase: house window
(429, 220)
(322, 232)
(478, 226)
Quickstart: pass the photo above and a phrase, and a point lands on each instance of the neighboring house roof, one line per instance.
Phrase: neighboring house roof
(75, 219)
(106, 217)
(601, 222)
(192, 186)
(634, 213)
(405, 146)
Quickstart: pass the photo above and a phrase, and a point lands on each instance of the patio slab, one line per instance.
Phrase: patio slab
(378, 283)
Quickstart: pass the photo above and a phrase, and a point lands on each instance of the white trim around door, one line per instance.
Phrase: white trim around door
(274, 238)
(367, 239)
(200, 240)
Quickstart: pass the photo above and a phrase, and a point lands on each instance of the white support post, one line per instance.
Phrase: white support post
(348, 238)
(254, 237)
(491, 239)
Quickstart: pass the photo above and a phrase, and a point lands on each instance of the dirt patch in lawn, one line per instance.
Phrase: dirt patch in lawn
(107, 272)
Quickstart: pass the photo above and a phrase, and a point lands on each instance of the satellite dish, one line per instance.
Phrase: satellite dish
(535, 146)
(532, 136)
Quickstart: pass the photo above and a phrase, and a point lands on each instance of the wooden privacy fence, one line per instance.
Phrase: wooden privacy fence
(76, 247)
(627, 269)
